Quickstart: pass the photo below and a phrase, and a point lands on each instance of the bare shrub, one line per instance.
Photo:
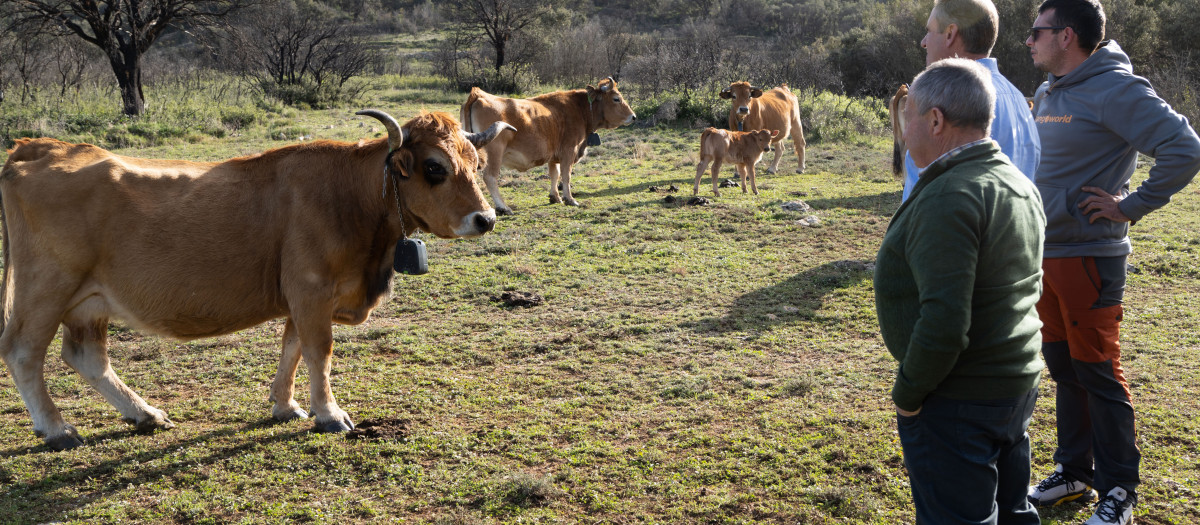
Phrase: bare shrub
(299, 52)
(1176, 80)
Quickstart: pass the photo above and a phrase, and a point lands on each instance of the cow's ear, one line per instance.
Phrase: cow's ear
(756, 93)
(726, 94)
(402, 163)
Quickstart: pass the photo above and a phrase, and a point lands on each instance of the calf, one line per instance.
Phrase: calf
(744, 148)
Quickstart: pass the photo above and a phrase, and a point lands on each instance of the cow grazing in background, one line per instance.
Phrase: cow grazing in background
(197, 249)
(743, 148)
(896, 110)
(777, 109)
(553, 129)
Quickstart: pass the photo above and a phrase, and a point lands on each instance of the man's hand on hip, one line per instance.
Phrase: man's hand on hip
(1103, 204)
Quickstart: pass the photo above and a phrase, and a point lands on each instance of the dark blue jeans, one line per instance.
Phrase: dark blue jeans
(968, 461)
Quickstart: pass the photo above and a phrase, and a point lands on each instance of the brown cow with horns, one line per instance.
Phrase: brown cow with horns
(196, 249)
(777, 109)
(554, 129)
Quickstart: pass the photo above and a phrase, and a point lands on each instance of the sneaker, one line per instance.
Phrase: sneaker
(1115, 508)
(1060, 488)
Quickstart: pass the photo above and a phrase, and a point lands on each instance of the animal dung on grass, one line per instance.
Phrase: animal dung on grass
(514, 299)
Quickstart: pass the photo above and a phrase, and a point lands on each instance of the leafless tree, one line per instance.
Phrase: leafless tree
(123, 29)
(299, 51)
(501, 22)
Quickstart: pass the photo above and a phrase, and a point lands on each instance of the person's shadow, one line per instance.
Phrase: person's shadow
(797, 298)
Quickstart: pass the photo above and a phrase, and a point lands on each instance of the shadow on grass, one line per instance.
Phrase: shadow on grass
(798, 298)
(683, 184)
(39, 500)
(881, 204)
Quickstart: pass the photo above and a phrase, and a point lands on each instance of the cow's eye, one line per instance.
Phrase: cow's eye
(434, 171)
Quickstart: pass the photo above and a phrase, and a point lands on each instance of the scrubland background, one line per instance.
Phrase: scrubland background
(716, 363)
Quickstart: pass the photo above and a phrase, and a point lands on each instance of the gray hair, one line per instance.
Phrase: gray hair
(961, 88)
(977, 21)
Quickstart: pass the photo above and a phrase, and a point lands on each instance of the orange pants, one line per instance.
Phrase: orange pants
(1081, 316)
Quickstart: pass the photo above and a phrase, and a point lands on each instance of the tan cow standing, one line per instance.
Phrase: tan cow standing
(197, 249)
(743, 148)
(552, 129)
(777, 109)
(896, 111)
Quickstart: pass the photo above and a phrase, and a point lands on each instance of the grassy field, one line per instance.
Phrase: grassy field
(714, 363)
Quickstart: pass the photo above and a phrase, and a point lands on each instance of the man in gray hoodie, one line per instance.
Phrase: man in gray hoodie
(1094, 116)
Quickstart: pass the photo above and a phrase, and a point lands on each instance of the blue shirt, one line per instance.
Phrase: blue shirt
(1012, 128)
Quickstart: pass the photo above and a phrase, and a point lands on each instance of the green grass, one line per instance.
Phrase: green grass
(690, 364)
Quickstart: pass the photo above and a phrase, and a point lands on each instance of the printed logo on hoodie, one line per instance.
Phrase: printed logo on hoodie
(1061, 119)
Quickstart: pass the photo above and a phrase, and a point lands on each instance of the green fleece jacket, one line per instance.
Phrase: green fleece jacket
(957, 279)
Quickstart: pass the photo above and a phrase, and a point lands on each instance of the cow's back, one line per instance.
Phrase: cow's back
(186, 249)
(716, 144)
(777, 109)
(541, 123)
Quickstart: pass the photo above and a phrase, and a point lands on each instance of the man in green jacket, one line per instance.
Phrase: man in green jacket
(957, 279)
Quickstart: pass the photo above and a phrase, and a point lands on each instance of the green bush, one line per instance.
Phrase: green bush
(238, 118)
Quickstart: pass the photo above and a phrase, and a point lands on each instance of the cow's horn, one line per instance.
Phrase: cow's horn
(482, 139)
(395, 135)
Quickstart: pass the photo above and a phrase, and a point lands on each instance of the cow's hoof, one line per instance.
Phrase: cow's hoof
(288, 415)
(771, 171)
(337, 425)
(69, 439)
(571, 202)
(504, 211)
(149, 425)
(555, 199)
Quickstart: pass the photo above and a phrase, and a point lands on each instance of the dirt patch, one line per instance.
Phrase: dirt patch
(380, 429)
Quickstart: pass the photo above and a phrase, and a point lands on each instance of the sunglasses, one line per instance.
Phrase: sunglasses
(1035, 30)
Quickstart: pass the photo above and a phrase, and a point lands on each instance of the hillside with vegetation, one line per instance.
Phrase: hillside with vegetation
(712, 362)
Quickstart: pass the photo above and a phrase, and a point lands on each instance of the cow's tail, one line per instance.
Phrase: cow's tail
(897, 158)
(465, 113)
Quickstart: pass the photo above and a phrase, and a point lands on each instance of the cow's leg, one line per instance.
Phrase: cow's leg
(567, 164)
(85, 349)
(27, 334)
(283, 388)
(552, 172)
(800, 144)
(716, 174)
(778, 147)
(750, 168)
(699, 175)
(491, 178)
(741, 169)
(316, 345)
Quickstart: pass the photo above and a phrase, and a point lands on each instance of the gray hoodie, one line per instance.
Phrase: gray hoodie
(1093, 122)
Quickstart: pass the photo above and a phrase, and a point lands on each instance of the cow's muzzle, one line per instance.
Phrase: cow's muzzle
(477, 223)
(743, 110)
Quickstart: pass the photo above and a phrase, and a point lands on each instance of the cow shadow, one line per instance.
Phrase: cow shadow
(40, 499)
(684, 185)
(797, 298)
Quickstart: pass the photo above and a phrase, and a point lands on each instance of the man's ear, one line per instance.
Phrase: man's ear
(951, 33)
(937, 121)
